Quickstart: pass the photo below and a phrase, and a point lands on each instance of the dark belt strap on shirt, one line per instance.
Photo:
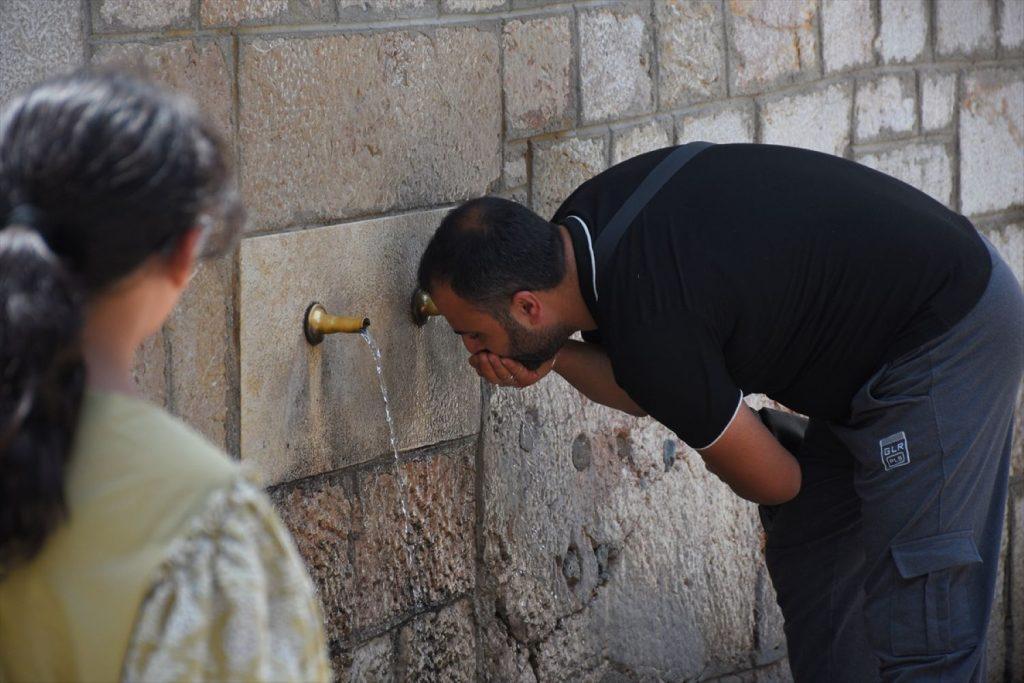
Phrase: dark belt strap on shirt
(623, 218)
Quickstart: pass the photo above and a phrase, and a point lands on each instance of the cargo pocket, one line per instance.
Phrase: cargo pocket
(932, 607)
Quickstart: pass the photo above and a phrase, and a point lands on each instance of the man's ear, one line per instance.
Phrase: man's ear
(181, 261)
(527, 308)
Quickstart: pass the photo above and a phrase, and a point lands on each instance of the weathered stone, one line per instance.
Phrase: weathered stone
(691, 52)
(364, 9)
(938, 100)
(629, 142)
(886, 107)
(644, 540)
(440, 646)
(964, 28)
(615, 63)
(992, 141)
(133, 15)
(848, 33)
(514, 168)
(928, 166)
(774, 673)
(242, 12)
(771, 43)
(903, 34)
(559, 167)
(150, 369)
(472, 5)
(370, 663)
(770, 637)
(310, 409)
(1011, 26)
(818, 119)
(539, 88)
(733, 122)
(326, 109)
(370, 565)
(198, 69)
(204, 360)
(38, 40)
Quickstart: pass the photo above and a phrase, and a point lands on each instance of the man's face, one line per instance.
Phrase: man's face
(502, 335)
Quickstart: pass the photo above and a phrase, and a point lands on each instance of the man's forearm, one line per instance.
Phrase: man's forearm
(586, 367)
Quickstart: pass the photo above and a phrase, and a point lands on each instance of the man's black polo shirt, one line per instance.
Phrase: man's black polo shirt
(767, 269)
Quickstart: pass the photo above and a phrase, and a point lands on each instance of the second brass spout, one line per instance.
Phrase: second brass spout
(422, 307)
(318, 322)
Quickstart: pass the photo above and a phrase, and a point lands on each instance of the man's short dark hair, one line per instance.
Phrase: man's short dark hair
(489, 248)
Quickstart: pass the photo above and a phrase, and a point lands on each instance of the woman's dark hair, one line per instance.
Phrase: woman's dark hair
(489, 248)
(98, 172)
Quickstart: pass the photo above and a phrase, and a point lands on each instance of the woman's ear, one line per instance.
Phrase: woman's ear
(181, 260)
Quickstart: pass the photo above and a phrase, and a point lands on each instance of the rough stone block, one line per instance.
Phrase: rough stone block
(903, 34)
(38, 40)
(440, 646)
(135, 15)
(771, 43)
(455, 6)
(371, 567)
(244, 12)
(150, 369)
(615, 63)
(886, 107)
(539, 84)
(733, 122)
(634, 140)
(559, 167)
(818, 119)
(938, 100)
(992, 141)
(1011, 26)
(198, 69)
(349, 10)
(928, 166)
(514, 168)
(369, 663)
(310, 409)
(691, 52)
(848, 31)
(612, 550)
(326, 110)
(770, 637)
(964, 28)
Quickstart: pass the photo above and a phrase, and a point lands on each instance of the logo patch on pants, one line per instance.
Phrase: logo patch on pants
(895, 451)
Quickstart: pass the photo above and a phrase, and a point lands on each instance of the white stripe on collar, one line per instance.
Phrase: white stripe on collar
(590, 246)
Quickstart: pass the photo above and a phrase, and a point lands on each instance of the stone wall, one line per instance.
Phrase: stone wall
(547, 538)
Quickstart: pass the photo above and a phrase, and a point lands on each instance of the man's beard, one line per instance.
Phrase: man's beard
(533, 349)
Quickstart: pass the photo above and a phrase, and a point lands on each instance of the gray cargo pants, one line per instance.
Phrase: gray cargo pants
(885, 563)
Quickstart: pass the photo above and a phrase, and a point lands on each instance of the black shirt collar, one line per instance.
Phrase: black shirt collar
(583, 245)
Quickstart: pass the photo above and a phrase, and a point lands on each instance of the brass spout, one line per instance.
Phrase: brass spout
(422, 307)
(317, 322)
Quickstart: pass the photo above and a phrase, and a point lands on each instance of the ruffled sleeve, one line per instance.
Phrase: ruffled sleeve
(232, 602)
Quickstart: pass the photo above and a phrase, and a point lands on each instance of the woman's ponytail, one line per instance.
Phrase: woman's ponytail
(42, 378)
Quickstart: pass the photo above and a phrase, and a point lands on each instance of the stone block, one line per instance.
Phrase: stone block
(615, 63)
(964, 28)
(326, 109)
(372, 662)
(247, 12)
(559, 167)
(992, 141)
(771, 43)
(938, 100)
(354, 10)
(903, 31)
(733, 122)
(691, 52)
(310, 409)
(770, 637)
(818, 119)
(848, 32)
(440, 646)
(369, 564)
(197, 68)
(38, 40)
(886, 107)
(1011, 27)
(137, 15)
(928, 166)
(634, 140)
(539, 84)
(456, 6)
(514, 168)
(150, 369)
(612, 551)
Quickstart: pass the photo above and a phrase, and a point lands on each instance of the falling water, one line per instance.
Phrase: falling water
(403, 484)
